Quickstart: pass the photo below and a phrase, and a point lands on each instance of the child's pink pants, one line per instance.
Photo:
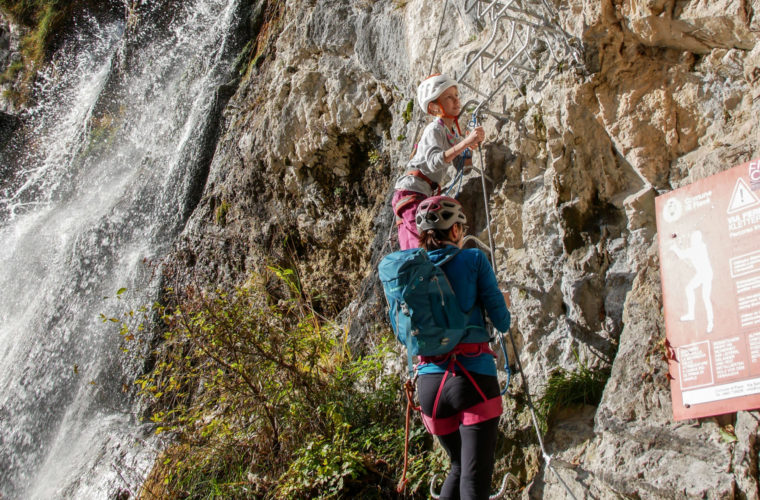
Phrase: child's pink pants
(405, 212)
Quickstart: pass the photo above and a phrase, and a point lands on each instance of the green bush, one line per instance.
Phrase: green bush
(42, 17)
(261, 398)
(11, 71)
(408, 111)
(565, 389)
(220, 214)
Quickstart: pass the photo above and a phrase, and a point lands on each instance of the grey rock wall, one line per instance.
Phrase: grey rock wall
(316, 133)
(672, 98)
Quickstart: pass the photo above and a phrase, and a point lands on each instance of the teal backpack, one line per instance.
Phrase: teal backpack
(424, 311)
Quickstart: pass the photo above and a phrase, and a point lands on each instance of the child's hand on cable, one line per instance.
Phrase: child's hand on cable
(476, 136)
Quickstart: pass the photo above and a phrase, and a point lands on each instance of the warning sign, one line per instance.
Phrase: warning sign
(742, 197)
(709, 239)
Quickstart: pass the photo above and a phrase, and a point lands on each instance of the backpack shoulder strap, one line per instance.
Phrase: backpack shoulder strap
(477, 301)
(447, 258)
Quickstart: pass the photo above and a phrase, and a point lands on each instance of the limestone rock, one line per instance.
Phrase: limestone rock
(692, 26)
(318, 131)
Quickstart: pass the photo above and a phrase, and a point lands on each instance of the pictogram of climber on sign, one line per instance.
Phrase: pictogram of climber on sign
(698, 257)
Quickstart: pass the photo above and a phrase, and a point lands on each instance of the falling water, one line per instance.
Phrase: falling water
(104, 178)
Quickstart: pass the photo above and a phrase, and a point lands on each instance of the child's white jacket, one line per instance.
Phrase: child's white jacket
(428, 159)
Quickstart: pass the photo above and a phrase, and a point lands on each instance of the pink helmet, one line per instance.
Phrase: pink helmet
(439, 212)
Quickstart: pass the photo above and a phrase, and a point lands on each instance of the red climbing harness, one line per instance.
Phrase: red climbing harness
(485, 410)
(481, 412)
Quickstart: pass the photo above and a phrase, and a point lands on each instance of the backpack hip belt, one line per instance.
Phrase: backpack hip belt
(463, 349)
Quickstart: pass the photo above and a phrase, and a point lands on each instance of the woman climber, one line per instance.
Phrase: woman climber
(440, 144)
(458, 391)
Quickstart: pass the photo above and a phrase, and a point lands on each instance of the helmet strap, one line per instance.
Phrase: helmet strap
(441, 114)
(456, 122)
(460, 233)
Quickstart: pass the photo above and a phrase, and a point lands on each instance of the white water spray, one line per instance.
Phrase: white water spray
(104, 182)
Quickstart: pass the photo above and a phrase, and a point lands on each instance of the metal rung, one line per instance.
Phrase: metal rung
(519, 28)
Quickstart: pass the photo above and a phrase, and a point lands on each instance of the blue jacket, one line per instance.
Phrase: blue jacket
(474, 284)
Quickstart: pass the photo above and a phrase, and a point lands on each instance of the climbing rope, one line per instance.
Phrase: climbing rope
(487, 210)
(457, 180)
(547, 456)
(409, 386)
(438, 37)
(526, 389)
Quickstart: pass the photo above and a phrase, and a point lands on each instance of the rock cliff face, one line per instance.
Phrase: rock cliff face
(320, 125)
(319, 128)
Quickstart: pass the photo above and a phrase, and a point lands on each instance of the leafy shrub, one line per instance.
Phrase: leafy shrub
(261, 398)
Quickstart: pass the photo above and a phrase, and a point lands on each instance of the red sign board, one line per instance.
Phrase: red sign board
(709, 239)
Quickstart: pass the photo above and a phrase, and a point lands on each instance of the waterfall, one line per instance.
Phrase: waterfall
(110, 163)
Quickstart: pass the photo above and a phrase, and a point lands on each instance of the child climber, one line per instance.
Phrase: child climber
(440, 144)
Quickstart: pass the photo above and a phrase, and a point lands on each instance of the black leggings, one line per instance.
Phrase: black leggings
(471, 448)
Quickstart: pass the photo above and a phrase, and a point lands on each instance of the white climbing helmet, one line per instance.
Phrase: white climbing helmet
(439, 212)
(431, 88)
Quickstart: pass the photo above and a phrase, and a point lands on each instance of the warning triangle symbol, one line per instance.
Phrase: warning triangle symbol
(742, 198)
